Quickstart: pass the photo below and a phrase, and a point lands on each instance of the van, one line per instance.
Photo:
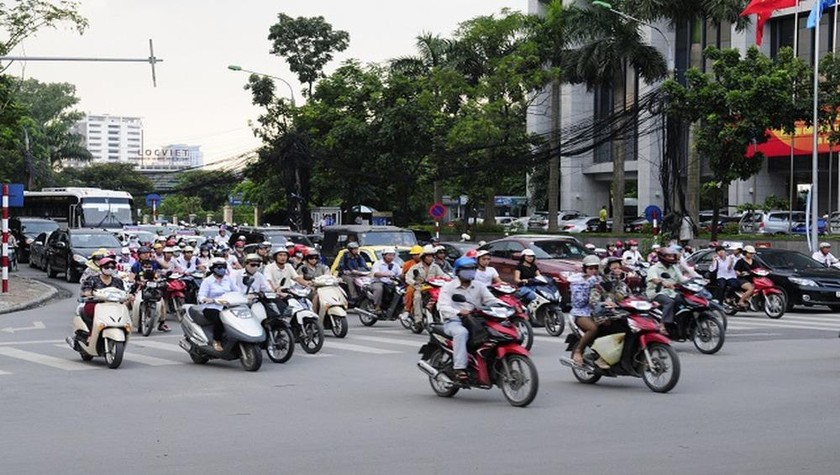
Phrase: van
(770, 222)
(337, 237)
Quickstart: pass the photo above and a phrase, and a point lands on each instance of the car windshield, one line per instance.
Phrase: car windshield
(558, 250)
(34, 228)
(387, 238)
(94, 240)
(792, 259)
(280, 239)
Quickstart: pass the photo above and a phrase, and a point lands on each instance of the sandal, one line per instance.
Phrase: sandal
(164, 328)
(577, 358)
(461, 376)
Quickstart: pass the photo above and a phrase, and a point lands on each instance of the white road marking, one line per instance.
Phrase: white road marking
(44, 359)
(143, 359)
(391, 341)
(359, 348)
(316, 355)
(549, 338)
(145, 343)
(728, 334)
(752, 325)
(2, 373)
(30, 342)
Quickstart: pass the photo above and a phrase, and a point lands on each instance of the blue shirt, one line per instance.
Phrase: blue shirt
(351, 263)
(213, 288)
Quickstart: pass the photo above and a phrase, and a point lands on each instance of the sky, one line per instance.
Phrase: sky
(198, 101)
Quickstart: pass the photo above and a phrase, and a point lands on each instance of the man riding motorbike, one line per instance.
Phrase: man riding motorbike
(312, 267)
(485, 274)
(352, 262)
(426, 269)
(188, 262)
(416, 253)
(214, 286)
(280, 274)
(258, 281)
(239, 250)
(262, 251)
(384, 273)
(440, 259)
(723, 265)
(661, 288)
(825, 257)
(632, 256)
(451, 312)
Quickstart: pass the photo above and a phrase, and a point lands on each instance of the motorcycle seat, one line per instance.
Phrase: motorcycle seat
(438, 328)
(196, 312)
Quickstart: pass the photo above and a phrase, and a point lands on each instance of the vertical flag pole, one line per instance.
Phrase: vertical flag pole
(793, 137)
(4, 259)
(814, 143)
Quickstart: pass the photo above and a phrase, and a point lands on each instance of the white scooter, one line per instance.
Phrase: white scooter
(331, 304)
(111, 327)
(305, 323)
(243, 335)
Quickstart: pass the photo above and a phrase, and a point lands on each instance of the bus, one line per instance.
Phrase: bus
(79, 207)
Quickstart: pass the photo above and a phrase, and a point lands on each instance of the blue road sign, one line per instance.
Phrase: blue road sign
(437, 211)
(15, 195)
(152, 198)
(653, 212)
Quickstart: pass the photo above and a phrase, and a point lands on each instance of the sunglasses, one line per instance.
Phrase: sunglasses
(109, 267)
(311, 257)
(252, 265)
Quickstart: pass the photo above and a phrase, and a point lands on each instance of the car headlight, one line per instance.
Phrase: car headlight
(803, 282)
(79, 258)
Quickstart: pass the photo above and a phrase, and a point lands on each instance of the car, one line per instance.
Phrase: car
(373, 254)
(68, 250)
(539, 220)
(337, 237)
(593, 225)
(557, 257)
(770, 222)
(276, 235)
(800, 228)
(803, 280)
(26, 229)
(143, 236)
(422, 235)
(585, 224)
(38, 251)
(454, 250)
(635, 225)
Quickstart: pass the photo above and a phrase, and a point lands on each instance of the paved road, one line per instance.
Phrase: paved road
(765, 404)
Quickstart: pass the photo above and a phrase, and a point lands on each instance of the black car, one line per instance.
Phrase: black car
(635, 225)
(69, 249)
(454, 250)
(26, 230)
(593, 225)
(38, 251)
(803, 280)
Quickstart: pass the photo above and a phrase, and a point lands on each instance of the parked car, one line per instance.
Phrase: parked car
(770, 222)
(593, 225)
(635, 225)
(539, 220)
(69, 250)
(276, 235)
(800, 228)
(803, 280)
(38, 251)
(422, 236)
(557, 256)
(337, 237)
(25, 230)
(834, 222)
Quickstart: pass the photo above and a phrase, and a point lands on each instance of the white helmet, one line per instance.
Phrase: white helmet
(482, 253)
(389, 250)
(528, 252)
(125, 250)
(439, 249)
(218, 261)
(465, 237)
(428, 249)
(168, 249)
(189, 249)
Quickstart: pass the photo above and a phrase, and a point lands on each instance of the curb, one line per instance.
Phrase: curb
(31, 303)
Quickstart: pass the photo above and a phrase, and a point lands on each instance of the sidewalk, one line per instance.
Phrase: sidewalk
(24, 293)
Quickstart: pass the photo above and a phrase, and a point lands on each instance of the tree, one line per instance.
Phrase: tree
(211, 187)
(735, 104)
(24, 18)
(307, 44)
(110, 176)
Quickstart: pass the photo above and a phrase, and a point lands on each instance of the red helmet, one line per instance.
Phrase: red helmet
(171, 242)
(299, 249)
(619, 244)
(471, 253)
(632, 243)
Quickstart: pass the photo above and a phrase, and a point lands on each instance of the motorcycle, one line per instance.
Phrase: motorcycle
(392, 304)
(430, 290)
(545, 308)
(766, 297)
(242, 337)
(174, 294)
(331, 304)
(498, 360)
(148, 305)
(305, 324)
(694, 318)
(279, 343)
(111, 327)
(193, 283)
(506, 293)
(630, 345)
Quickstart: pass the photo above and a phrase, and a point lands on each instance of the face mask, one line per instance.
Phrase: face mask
(634, 248)
(219, 271)
(108, 271)
(467, 274)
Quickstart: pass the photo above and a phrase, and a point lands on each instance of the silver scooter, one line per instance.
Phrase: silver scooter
(242, 338)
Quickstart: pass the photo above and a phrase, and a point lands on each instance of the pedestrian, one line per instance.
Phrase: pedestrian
(687, 230)
(602, 219)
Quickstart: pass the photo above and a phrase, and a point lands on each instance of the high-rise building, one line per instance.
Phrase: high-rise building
(112, 139)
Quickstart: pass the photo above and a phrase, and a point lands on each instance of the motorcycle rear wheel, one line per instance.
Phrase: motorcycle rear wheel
(709, 335)
(250, 356)
(147, 319)
(178, 308)
(554, 321)
(526, 332)
(441, 360)
(312, 336)
(665, 373)
(584, 376)
(519, 380)
(774, 305)
(366, 307)
(281, 344)
(339, 328)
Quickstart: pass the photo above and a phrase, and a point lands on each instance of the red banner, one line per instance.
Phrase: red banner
(779, 144)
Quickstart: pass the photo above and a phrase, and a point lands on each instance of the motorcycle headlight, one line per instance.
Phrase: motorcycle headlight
(803, 282)
(241, 312)
(79, 258)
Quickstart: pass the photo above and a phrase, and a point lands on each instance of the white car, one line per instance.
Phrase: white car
(577, 225)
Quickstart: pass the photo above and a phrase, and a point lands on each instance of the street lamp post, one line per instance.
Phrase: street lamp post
(234, 67)
(608, 6)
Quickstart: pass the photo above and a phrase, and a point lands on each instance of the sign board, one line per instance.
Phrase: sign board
(15, 195)
(437, 211)
(152, 199)
(653, 212)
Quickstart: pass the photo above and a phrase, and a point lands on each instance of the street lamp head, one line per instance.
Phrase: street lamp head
(234, 67)
(599, 3)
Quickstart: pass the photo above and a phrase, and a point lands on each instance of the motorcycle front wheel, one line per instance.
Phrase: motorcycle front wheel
(774, 305)
(519, 380)
(147, 319)
(113, 352)
(664, 374)
(708, 334)
(311, 336)
(281, 344)
(554, 321)
(339, 327)
(250, 356)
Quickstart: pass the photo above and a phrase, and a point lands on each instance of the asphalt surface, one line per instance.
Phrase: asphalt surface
(765, 404)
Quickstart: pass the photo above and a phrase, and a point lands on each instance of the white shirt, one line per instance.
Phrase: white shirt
(275, 275)
(827, 260)
(486, 276)
(382, 268)
(631, 257)
(220, 240)
(213, 288)
(725, 267)
(188, 266)
(260, 283)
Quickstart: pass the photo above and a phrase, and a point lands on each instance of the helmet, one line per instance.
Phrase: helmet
(158, 245)
(182, 244)
(612, 259)
(218, 253)
(464, 263)
(589, 246)
(217, 262)
(416, 250)
(311, 251)
(668, 255)
(125, 250)
(105, 260)
(352, 245)
(290, 244)
(253, 258)
(264, 245)
(434, 240)
(428, 249)
(482, 253)
(619, 244)
(189, 249)
(439, 249)
(99, 253)
(171, 242)
(824, 244)
(590, 261)
(241, 238)
(389, 250)
(632, 243)
(528, 252)
(168, 249)
(465, 237)
(143, 249)
(751, 250)
(299, 249)
(278, 251)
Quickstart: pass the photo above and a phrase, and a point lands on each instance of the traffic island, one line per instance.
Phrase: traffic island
(25, 293)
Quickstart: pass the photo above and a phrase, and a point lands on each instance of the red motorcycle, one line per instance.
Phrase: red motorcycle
(430, 291)
(495, 358)
(766, 296)
(175, 293)
(628, 344)
(507, 294)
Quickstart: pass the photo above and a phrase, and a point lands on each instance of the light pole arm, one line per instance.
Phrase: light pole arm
(609, 7)
(291, 90)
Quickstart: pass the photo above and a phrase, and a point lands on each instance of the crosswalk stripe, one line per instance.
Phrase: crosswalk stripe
(549, 338)
(359, 348)
(770, 325)
(147, 360)
(728, 334)
(316, 355)
(391, 341)
(44, 359)
(799, 318)
(2, 373)
(158, 345)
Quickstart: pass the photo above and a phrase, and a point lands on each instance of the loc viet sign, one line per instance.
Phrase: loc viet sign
(437, 211)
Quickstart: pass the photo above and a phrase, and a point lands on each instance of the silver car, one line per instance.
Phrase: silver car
(770, 222)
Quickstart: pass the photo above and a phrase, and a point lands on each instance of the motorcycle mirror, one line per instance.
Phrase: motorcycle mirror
(247, 280)
(459, 298)
(416, 273)
(282, 282)
(665, 275)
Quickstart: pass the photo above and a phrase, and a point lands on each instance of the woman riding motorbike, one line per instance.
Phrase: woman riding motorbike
(581, 287)
(214, 286)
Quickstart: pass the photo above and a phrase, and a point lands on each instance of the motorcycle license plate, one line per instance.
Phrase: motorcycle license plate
(837, 294)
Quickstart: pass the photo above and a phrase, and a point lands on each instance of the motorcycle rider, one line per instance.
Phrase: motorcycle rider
(167, 262)
(239, 250)
(312, 267)
(416, 253)
(440, 260)
(105, 278)
(485, 274)
(297, 255)
(451, 312)
(825, 257)
(125, 261)
(632, 257)
(262, 251)
(425, 270)
(92, 268)
(351, 262)
(580, 287)
(385, 271)
(619, 249)
(524, 272)
(653, 256)
(258, 283)
(144, 260)
(204, 256)
(221, 239)
(213, 287)
(660, 288)
(724, 265)
(279, 270)
(744, 268)
(188, 262)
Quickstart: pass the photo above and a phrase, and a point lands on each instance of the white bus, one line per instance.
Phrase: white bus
(79, 207)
